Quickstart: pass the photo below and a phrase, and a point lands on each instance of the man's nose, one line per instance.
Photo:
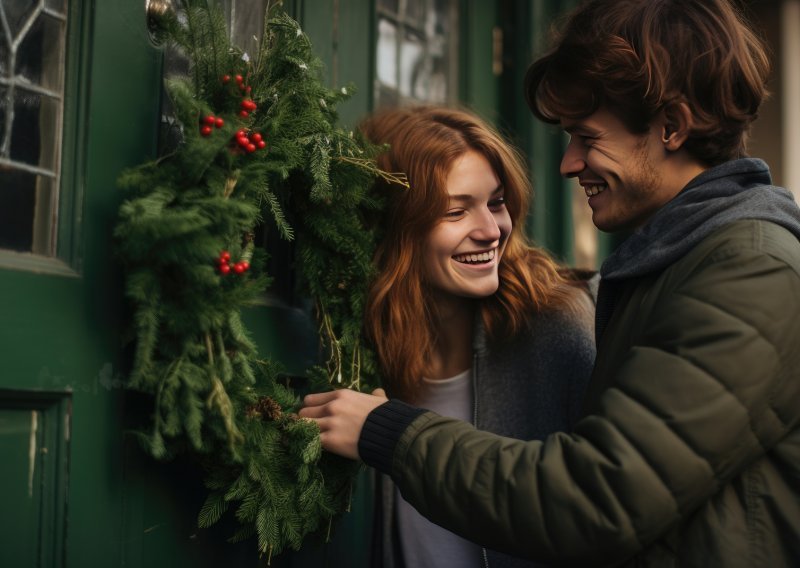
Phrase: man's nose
(573, 162)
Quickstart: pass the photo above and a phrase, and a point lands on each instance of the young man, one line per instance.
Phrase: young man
(689, 451)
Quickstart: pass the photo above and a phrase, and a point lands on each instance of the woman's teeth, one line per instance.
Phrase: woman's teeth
(594, 189)
(475, 258)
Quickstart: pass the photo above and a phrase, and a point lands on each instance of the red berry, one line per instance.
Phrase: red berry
(209, 120)
(242, 141)
(248, 104)
(238, 268)
(219, 123)
(244, 113)
(239, 78)
(224, 256)
(261, 144)
(205, 131)
(255, 137)
(250, 148)
(248, 89)
(224, 268)
(241, 133)
(245, 265)
(226, 78)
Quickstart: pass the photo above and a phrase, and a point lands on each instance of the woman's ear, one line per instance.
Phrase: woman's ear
(677, 126)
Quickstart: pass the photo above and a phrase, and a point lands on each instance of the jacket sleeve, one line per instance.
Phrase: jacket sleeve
(712, 385)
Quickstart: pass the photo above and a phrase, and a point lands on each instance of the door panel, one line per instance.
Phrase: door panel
(34, 440)
(61, 402)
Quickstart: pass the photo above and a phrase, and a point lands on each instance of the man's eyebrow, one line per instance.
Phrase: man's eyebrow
(580, 129)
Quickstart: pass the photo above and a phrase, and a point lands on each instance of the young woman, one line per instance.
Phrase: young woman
(467, 318)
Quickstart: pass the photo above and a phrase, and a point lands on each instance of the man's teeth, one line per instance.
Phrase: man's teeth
(474, 258)
(593, 189)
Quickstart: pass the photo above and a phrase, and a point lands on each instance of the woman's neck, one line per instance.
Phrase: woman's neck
(452, 351)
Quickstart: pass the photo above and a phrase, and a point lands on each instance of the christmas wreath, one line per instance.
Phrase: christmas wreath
(258, 144)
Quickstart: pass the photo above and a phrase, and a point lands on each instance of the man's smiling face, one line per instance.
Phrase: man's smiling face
(622, 173)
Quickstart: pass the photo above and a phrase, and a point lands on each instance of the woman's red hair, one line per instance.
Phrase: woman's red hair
(400, 314)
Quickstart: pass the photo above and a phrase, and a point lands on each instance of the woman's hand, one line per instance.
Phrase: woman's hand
(340, 415)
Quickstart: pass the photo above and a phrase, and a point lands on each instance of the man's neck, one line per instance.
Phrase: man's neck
(679, 170)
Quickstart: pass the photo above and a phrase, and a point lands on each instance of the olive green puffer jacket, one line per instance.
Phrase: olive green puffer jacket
(689, 451)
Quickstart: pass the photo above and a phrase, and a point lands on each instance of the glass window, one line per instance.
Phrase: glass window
(245, 20)
(32, 61)
(417, 52)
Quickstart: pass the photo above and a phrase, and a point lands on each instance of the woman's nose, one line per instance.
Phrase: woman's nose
(486, 227)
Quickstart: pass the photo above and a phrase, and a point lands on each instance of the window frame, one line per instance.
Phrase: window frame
(67, 256)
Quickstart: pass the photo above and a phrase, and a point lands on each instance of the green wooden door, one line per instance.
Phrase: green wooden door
(79, 79)
(60, 407)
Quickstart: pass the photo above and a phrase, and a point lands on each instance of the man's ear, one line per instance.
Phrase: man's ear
(677, 126)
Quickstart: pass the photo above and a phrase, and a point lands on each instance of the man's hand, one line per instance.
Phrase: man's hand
(340, 415)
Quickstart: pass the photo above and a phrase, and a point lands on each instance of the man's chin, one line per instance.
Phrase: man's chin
(603, 224)
(612, 225)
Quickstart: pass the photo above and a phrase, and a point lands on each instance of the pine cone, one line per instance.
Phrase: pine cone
(265, 408)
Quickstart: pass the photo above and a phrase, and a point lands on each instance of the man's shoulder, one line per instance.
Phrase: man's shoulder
(748, 237)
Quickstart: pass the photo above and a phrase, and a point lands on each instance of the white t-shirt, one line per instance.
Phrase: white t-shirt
(425, 544)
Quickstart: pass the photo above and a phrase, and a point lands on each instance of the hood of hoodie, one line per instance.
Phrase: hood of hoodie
(736, 190)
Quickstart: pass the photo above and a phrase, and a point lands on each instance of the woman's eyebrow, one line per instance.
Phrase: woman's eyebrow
(462, 197)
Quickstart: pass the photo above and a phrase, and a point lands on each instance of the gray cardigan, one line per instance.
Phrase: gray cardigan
(525, 388)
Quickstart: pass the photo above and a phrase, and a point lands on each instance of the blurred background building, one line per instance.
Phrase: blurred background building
(81, 99)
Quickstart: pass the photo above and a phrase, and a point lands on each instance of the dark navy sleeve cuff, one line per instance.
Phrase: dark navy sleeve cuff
(381, 432)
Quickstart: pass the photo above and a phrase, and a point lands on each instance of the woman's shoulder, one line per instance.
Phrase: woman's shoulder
(576, 312)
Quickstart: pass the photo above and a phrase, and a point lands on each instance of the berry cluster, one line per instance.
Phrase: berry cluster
(208, 122)
(250, 143)
(239, 81)
(226, 266)
(248, 105)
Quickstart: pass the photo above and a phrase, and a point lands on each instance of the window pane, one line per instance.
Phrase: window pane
(34, 141)
(389, 5)
(387, 53)
(4, 49)
(247, 20)
(17, 203)
(31, 109)
(412, 63)
(416, 58)
(17, 12)
(59, 6)
(415, 11)
(40, 52)
(5, 105)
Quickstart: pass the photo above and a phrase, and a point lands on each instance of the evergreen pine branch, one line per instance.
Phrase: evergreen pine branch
(278, 216)
(212, 510)
(244, 532)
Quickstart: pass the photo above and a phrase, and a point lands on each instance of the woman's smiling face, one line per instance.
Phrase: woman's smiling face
(464, 249)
